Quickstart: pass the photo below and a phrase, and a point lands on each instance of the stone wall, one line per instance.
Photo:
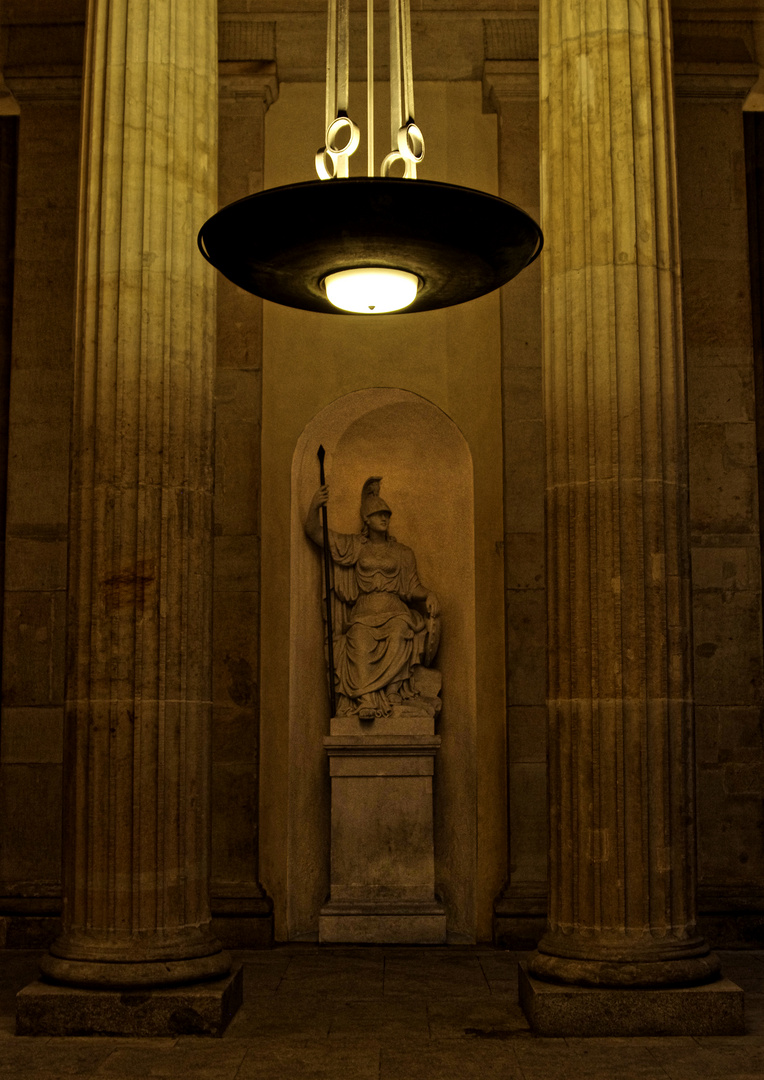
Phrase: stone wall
(41, 69)
(726, 544)
(38, 485)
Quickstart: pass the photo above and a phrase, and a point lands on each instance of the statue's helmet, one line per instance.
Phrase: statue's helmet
(371, 503)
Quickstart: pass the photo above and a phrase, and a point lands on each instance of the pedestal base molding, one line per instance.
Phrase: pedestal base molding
(202, 1009)
(586, 1012)
(391, 924)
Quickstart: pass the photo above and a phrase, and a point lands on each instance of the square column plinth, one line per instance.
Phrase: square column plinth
(586, 1011)
(200, 1009)
(382, 851)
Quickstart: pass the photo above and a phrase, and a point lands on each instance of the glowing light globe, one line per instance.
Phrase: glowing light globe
(371, 290)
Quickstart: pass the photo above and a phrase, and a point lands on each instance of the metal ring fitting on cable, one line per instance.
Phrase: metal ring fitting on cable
(411, 142)
(328, 156)
(353, 138)
(326, 166)
(409, 166)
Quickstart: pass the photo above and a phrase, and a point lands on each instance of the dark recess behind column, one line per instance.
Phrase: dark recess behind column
(9, 138)
(754, 173)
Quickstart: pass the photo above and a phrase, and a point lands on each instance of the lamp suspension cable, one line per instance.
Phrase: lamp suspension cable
(408, 73)
(369, 87)
(374, 244)
(407, 140)
(396, 106)
(331, 65)
(342, 134)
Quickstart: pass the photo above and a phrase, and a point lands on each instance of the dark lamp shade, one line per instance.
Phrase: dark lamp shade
(281, 243)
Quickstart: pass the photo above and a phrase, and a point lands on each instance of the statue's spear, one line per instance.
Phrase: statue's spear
(328, 587)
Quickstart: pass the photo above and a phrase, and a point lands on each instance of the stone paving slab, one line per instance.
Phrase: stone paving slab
(499, 966)
(387, 1021)
(308, 1016)
(312, 1061)
(600, 1059)
(453, 974)
(78, 1059)
(476, 1018)
(201, 1062)
(447, 1061)
(410, 1014)
(344, 973)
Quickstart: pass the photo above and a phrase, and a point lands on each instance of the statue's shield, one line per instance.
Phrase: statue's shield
(432, 640)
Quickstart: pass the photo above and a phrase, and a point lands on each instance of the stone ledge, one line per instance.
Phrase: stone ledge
(201, 1009)
(410, 924)
(560, 1011)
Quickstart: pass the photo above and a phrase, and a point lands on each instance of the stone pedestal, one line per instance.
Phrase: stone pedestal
(199, 1009)
(382, 854)
(588, 1012)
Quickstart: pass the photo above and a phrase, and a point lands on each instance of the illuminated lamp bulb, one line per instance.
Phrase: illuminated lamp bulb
(371, 290)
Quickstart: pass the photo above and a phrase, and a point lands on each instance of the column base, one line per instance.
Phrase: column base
(382, 924)
(134, 975)
(201, 1009)
(690, 965)
(560, 1011)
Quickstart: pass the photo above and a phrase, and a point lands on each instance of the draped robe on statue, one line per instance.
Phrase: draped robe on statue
(378, 638)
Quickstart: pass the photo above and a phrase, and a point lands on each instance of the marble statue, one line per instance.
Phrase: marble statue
(386, 624)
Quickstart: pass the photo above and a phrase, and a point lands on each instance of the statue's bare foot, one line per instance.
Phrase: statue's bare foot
(366, 714)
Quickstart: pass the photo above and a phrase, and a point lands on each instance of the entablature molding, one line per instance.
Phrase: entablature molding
(509, 80)
(247, 80)
(714, 82)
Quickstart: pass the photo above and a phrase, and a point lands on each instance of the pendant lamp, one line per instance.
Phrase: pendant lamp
(370, 245)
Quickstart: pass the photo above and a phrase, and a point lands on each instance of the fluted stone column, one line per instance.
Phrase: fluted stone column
(138, 703)
(620, 712)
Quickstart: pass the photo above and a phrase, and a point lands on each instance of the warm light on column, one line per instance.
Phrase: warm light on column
(371, 290)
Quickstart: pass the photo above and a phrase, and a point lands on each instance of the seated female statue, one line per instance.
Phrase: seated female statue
(379, 637)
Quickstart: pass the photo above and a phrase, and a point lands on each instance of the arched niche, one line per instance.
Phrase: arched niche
(426, 469)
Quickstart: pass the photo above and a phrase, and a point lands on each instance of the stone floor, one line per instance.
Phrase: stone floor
(334, 1013)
